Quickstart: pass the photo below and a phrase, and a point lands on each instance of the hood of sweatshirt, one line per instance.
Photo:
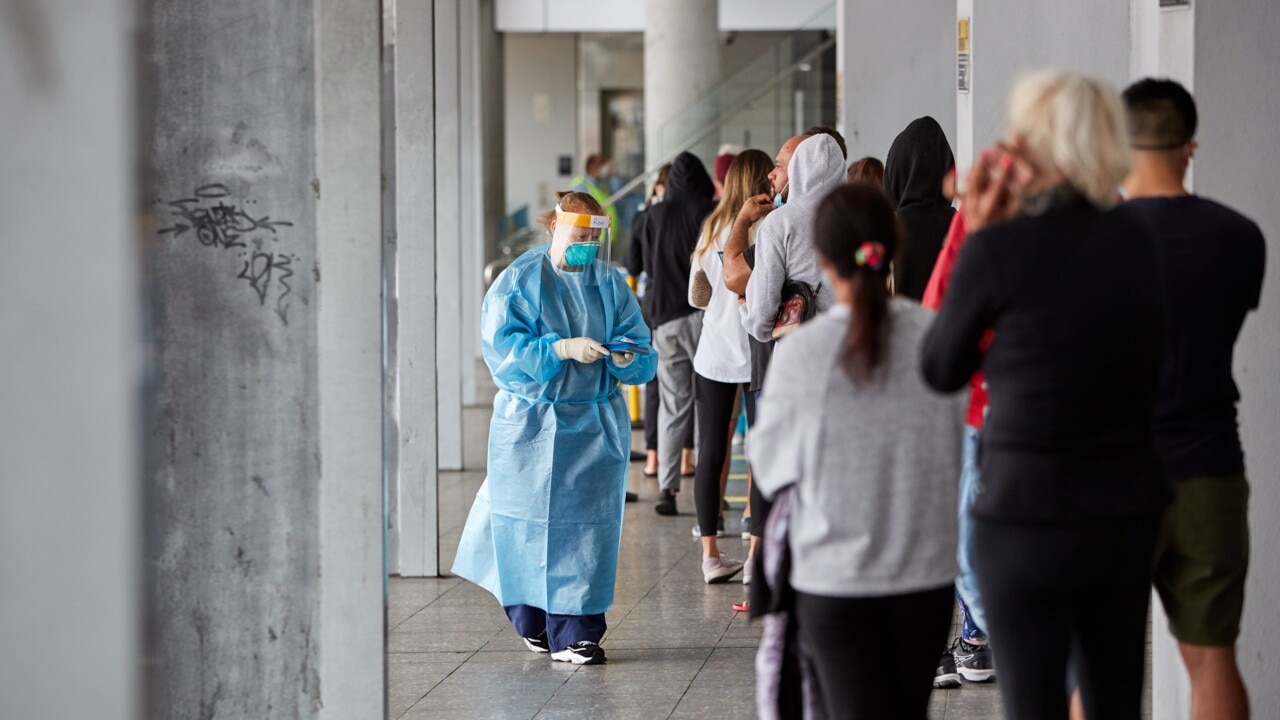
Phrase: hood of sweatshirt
(668, 236)
(784, 250)
(688, 179)
(816, 168)
(918, 161)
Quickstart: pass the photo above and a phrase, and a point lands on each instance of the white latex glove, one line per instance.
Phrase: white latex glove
(582, 349)
(622, 359)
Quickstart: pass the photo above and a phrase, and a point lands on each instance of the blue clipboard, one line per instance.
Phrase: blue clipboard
(624, 346)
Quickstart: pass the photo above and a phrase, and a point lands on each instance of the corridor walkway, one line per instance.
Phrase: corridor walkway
(676, 648)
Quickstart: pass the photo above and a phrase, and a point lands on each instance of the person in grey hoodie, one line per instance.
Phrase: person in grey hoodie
(784, 250)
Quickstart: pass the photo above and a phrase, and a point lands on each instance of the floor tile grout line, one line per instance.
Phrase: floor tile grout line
(655, 584)
(471, 655)
(424, 607)
(433, 687)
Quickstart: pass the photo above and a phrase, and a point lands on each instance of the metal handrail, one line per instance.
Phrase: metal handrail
(724, 117)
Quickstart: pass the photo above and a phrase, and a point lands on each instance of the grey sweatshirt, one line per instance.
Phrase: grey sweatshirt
(875, 464)
(784, 239)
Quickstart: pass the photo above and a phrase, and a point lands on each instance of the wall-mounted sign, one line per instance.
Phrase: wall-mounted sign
(1175, 3)
(963, 64)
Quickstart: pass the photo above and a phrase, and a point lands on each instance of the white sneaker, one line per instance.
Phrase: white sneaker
(719, 569)
(746, 571)
(583, 652)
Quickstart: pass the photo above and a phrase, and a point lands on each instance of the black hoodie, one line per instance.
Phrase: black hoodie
(917, 163)
(668, 236)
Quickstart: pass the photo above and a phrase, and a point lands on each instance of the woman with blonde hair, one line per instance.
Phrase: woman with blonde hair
(722, 363)
(1065, 523)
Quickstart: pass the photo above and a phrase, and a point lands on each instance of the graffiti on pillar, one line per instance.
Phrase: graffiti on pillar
(217, 220)
(261, 269)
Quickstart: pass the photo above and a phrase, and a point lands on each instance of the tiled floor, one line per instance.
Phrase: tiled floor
(676, 648)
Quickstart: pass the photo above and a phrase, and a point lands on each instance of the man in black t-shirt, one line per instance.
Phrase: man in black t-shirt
(1213, 263)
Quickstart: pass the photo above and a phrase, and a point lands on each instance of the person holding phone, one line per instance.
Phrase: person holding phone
(544, 531)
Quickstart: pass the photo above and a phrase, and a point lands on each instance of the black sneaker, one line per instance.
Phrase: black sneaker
(946, 677)
(583, 652)
(537, 644)
(973, 662)
(631, 497)
(666, 504)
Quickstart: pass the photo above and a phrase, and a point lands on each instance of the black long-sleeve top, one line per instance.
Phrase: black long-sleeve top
(1074, 296)
(666, 238)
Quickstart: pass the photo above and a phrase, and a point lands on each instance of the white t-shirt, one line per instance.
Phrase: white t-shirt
(723, 355)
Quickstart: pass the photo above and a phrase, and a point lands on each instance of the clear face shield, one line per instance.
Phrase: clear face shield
(578, 240)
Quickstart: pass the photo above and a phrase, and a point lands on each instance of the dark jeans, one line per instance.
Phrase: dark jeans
(562, 630)
(875, 656)
(1066, 594)
(713, 402)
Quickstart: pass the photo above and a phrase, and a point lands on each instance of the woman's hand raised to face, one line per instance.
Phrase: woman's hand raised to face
(994, 186)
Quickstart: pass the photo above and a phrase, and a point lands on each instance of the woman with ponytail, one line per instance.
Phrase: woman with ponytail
(871, 452)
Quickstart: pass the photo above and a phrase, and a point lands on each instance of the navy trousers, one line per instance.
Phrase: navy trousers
(562, 630)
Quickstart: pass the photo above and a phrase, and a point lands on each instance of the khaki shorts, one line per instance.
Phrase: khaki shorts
(1202, 558)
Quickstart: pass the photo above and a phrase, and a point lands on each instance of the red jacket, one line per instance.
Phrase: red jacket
(932, 299)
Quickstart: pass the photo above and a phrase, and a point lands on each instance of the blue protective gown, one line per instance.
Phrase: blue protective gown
(546, 524)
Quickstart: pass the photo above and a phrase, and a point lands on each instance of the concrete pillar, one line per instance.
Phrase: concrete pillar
(681, 64)
(262, 510)
(1238, 97)
(410, 277)
(897, 62)
(449, 237)
(70, 370)
(349, 299)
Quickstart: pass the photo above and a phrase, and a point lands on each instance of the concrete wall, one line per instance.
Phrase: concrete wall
(70, 370)
(541, 116)
(631, 15)
(615, 61)
(1238, 94)
(898, 63)
(264, 527)
(1011, 37)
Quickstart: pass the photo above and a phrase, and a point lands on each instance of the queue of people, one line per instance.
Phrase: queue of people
(1067, 280)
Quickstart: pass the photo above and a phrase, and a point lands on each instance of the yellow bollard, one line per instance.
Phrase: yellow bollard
(633, 392)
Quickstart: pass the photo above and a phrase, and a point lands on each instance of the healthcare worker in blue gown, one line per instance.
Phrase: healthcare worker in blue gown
(543, 533)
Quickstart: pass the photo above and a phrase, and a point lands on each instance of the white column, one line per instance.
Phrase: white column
(349, 299)
(449, 238)
(898, 64)
(471, 185)
(1162, 44)
(681, 63)
(410, 273)
(1238, 97)
(70, 371)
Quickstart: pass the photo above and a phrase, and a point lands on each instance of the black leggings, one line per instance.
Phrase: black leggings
(759, 506)
(1067, 594)
(713, 403)
(875, 656)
